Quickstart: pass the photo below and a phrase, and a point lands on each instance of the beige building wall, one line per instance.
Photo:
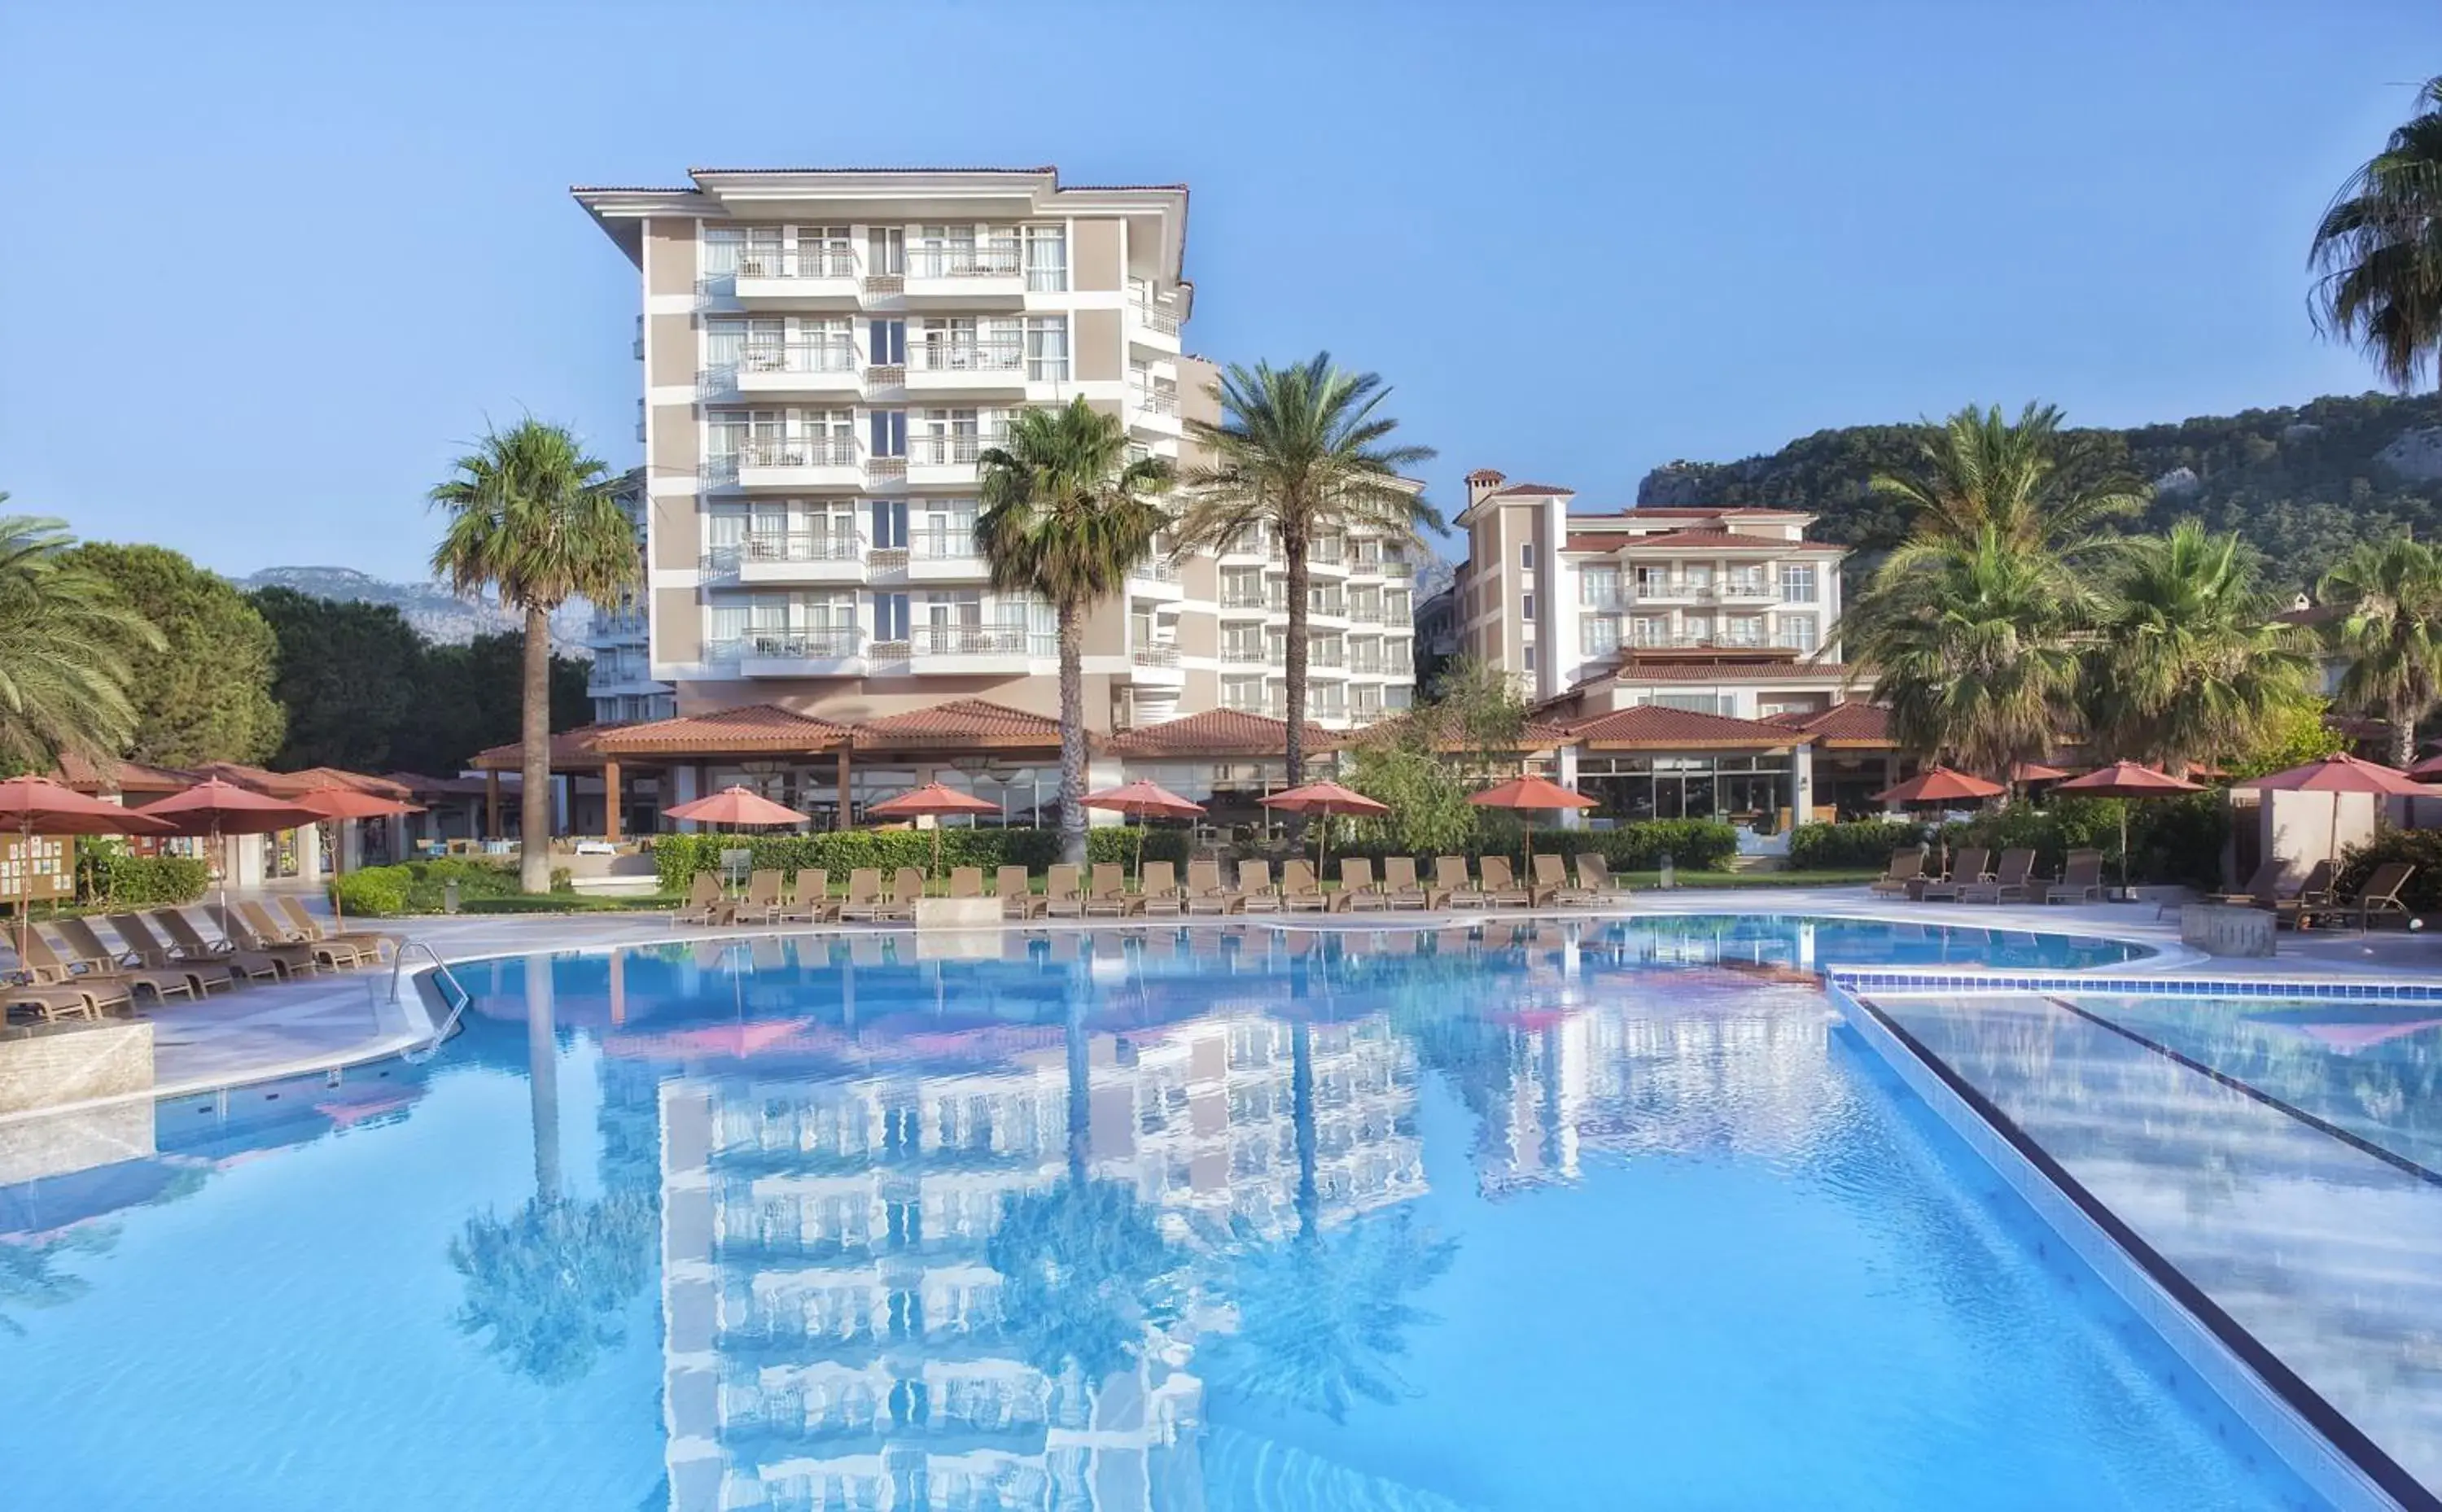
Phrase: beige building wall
(1097, 259)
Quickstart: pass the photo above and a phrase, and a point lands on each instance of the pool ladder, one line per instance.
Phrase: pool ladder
(454, 992)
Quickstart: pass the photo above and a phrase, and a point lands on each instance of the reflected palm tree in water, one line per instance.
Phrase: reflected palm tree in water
(1322, 1317)
(545, 1286)
(30, 1276)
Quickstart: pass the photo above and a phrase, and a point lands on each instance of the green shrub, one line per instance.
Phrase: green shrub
(1850, 847)
(1693, 845)
(1119, 843)
(373, 892)
(2173, 840)
(678, 858)
(146, 881)
(2421, 849)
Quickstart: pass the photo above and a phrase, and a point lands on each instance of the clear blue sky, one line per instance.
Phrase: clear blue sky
(267, 268)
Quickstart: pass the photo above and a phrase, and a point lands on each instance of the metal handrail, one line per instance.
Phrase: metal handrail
(458, 1010)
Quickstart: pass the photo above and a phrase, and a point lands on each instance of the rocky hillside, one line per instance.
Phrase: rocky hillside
(2301, 484)
(439, 615)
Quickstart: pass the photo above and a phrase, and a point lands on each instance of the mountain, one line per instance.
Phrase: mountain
(438, 614)
(2301, 484)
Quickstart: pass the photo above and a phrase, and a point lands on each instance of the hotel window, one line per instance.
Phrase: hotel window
(1742, 630)
(889, 519)
(886, 343)
(1797, 583)
(1698, 576)
(1246, 693)
(1699, 702)
(1799, 631)
(1747, 578)
(825, 251)
(1648, 629)
(1652, 582)
(944, 251)
(890, 616)
(1527, 601)
(1597, 635)
(1530, 659)
(1241, 643)
(887, 432)
(1697, 629)
(885, 251)
(1046, 259)
(1526, 556)
(1241, 588)
(1598, 587)
(1047, 349)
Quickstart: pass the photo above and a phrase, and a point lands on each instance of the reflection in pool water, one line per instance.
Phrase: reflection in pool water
(1545, 1217)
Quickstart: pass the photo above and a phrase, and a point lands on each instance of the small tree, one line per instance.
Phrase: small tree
(1425, 763)
(202, 693)
(2389, 595)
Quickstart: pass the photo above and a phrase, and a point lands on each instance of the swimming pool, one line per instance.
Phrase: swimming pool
(1552, 1217)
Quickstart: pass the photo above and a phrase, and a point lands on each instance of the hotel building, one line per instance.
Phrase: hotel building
(1713, 610)
(826, 356)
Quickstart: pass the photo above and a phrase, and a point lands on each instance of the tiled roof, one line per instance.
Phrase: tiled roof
(1651, 726)
(118, 776)
(1538, 490)
(748, 727)
(1217, 732)
(1725, 671)
(1690, 535)
(1854, 723)
(960, 721)
(420, 785)
(1536, 734)
(315, 778)
(1687, 512)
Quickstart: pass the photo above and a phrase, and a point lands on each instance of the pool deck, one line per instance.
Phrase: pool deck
(333, 1021)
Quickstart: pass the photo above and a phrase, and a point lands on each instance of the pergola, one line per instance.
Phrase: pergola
(1653, 761)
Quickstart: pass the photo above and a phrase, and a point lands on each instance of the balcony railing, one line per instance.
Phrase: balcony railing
(1156, 569)
(622, 624)
(798, 357)
(969, 640)
(1157, 655)
(1322, 654)
(802, 546)
(967, 357)
(1155, 318)
(1239, 598)
(1712, 643)
(1362, 612)
(800, 646)
(805, 262)
(787, 452)
(1157, 400)
(959, 449)
(1242, 654)
(1327, 554)
(995, 260)
(943, 545)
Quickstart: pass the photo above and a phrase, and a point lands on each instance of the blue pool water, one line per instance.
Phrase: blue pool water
(1551, 1217)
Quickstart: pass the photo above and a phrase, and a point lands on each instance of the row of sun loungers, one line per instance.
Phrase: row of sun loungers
(1103, 890)
(1974, 877)
(2315, 899)
(67, 970)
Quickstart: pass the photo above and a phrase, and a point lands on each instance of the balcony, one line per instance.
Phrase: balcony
(787, 462)
(787, 653)
(956, 648)
(784, 368)
(1152, 326)
(799, 556)
(1154, 408)
(1705, 590)
(1256, 603)
(821, 278)
(946, 458)
(966, 367)
(994, 273)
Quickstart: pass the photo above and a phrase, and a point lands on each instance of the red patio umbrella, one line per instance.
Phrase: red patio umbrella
(2035, 771)
(1322, 800)
(338, 804)
(216, 809)
(37, 806)
(2337, 774)
(2428, 770)
(1939, 784)
(1526, 794)
(736, 806)
(935, 800)
(1140, 800)
(2127, 779)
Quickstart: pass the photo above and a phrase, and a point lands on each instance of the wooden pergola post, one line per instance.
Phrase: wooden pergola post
(610, 798)
(842, 821)
(492, 805)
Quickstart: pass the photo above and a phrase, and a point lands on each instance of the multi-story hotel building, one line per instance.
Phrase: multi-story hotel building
(826, 352)
(1716, 611)
(622, 684)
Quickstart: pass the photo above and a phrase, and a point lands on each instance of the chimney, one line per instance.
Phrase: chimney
(1481, 483)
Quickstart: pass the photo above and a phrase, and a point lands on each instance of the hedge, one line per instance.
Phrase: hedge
(146, 881)
(2421, 849)
(2176, 840)
(678, 858)
(1850, 847)
(1693, 845)
(422, 887)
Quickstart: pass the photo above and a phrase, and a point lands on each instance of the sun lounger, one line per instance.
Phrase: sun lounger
(1358, 888)
(864, 900)
(2009, 882)
(809, 897)
(1205, 893)
(382, 944)
(71, 964)
(251, 924)
(1457, 888)
(1501, 889)
(2081, 881)
(1593, 875)
(1064, 893)
(2259, 891)
(1014, 887)
(40, 966)
(1401, 888)
(86, 945)
(761, 904)
(1967, 866)
(1300, 889)
(2380, 895)
(2314, 896)
(48, 1003)
(168, 946)
(1255, 887)
(1160, 891)
(1551, 882)
(966, 882)
(253, 961)
(705, 903)
(906, 890)
(1906, 865)
(1108, 892)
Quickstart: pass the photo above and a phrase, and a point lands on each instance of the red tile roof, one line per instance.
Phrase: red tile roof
(1606, 541)
(1779, 671)
(1218, 733)
(1688, 511)
(118, 776)
(960, 721)
(1536, 734)
(1538, 490)
(1854, 723)
(1650, 726)
(762, 727)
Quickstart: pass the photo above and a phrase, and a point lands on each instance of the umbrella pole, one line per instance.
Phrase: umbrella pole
(2124, 894)
(1141, 829)
(25, 888)
(338, 870)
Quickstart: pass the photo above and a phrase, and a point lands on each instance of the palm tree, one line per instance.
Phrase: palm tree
(1975, 651)
(1066, 515)
(2377, 250)
(533, 520)
(2189, 664)
(65, 635)
(1302, 451)
(2388, 598)
(2036, 486)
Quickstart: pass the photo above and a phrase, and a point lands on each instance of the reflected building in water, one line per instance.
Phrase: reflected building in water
(837, 1334)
